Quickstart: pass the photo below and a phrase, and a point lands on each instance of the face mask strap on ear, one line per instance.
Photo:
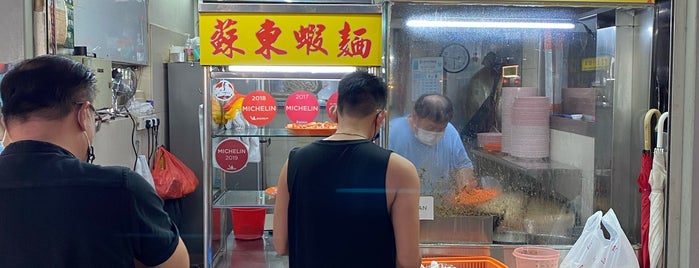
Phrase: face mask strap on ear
(376, 137)
(90, 157)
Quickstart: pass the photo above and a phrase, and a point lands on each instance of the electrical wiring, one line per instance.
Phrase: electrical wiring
(155, 135)
(133, 132)
(152, 129)
(149, 145)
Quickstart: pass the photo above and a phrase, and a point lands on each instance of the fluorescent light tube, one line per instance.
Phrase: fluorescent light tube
(292, 69)
(490, 24)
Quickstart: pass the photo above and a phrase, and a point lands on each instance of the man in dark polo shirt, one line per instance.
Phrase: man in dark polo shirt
(57, 209)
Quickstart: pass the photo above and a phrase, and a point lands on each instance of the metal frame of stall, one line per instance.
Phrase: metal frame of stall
(272, 7)
(624, 149)
(631, 88)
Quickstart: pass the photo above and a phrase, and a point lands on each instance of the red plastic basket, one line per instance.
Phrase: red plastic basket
(466, 262)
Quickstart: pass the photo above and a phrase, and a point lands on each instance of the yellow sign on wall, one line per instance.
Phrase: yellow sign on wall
(596, 63)
(290, 39)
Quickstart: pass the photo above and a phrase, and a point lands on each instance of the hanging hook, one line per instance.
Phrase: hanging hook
(646, 127)
(661, 125)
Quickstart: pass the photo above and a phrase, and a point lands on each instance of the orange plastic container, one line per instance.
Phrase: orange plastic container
(248, 223)
(466, 262)
(492, 147)
(536, 257)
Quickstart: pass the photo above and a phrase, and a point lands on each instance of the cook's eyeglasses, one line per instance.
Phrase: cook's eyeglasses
(98, 117)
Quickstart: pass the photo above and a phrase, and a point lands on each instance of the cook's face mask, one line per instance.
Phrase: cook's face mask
(428, 137)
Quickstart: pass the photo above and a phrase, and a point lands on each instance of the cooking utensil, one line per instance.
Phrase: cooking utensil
(489, 182)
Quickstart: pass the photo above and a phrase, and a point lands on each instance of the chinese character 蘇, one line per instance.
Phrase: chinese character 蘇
(354, 46)
(311, 37)
(223, 38)
(267, 35)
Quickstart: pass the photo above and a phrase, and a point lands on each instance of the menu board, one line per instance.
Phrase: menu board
(427, 76)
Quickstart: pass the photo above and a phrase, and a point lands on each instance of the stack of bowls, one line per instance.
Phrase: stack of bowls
(508, 98)
(530, 127)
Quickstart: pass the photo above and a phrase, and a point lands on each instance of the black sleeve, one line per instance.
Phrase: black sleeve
(155, 234)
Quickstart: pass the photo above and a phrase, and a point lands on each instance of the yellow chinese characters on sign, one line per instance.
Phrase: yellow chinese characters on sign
(596, 63)
(290, 39)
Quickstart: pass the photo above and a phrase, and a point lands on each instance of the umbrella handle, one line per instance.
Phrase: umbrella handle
(661, 125)
(646, 127)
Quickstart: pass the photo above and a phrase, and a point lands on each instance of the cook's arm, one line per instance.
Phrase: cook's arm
(465, 179)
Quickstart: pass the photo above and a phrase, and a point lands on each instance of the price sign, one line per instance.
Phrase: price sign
(426, 208)
(231, 155)
(223, 90)
(259, 108)
(332, 102)
(301, 107)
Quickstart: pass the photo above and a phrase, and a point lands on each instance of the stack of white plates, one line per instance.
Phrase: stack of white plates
(530, 127)
(508, 98)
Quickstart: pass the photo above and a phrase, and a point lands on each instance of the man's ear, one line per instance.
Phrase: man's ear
(381, 116)
(6, 139)
(333, 113)
(82, 117)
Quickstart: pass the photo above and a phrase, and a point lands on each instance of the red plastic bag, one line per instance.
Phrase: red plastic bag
(173, 179)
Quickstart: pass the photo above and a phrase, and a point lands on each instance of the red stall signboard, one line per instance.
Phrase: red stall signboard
(332, 102)
(301, 107)
(231, 155)
(259, 108)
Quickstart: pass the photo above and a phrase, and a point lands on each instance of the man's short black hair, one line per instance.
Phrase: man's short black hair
(361, 94)
(434, 107)
(47, 86)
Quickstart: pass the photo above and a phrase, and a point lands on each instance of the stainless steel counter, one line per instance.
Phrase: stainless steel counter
(260, 253)
(529, 175)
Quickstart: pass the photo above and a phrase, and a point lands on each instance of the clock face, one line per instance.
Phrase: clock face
(456, 58)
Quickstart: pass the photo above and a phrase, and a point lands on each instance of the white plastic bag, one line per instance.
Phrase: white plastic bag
(594, 250)
(143, 169)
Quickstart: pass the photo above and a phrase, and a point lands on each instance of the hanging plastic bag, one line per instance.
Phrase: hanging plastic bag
(594, 250)
(173, 179)
(143, 169)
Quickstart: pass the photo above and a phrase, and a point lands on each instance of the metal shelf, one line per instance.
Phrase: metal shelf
(263, 132)
(244, 199)
(530, 175)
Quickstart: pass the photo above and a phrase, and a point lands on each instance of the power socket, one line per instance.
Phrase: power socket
(146, 121)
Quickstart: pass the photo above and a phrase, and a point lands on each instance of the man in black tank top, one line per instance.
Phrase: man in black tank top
(344, 201)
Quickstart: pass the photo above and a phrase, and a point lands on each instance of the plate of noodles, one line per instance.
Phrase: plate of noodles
(313, 128)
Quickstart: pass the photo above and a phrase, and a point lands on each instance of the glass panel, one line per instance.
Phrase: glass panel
(264, 144)
(532, 94)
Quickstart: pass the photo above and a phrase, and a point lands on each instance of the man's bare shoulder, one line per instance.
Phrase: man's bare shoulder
(401, 172)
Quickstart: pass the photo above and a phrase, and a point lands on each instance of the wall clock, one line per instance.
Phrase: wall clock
(455, 57)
